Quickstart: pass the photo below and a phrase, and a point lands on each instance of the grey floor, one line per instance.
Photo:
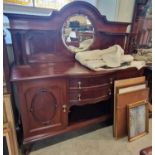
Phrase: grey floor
(95, 140)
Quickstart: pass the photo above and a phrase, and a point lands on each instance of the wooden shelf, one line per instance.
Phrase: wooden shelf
(85, 123)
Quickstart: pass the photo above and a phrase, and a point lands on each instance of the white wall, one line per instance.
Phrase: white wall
(93, 2)
(107, 8)
(116, 10)
(125, 10)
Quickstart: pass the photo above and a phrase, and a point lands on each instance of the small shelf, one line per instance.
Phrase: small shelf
(88, 112)
(85, 123)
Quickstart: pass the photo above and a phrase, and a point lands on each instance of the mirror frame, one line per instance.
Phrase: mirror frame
(62, 35)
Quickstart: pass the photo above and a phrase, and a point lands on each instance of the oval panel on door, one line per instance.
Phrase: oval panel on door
(43, 106)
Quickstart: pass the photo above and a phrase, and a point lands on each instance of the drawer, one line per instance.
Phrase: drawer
(80, 83)
(87, 96)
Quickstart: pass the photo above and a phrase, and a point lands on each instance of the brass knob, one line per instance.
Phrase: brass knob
(79, 97)
(79, 84)
(111, 80)
(64, 107)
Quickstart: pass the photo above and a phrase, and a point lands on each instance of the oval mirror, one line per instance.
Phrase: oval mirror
(78, 33)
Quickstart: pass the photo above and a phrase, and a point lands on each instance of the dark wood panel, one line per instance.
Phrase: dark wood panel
(40, 42)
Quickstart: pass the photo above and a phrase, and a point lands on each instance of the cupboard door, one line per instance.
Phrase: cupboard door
(44, 108)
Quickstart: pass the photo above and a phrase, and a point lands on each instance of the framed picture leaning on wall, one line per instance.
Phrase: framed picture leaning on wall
(138, 119)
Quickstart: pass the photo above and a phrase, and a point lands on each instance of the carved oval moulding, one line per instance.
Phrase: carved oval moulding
(44, 106)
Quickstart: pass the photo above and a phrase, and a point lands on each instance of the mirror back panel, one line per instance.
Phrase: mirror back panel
(39, 39)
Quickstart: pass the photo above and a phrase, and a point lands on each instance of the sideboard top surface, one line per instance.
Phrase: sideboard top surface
(69, 69)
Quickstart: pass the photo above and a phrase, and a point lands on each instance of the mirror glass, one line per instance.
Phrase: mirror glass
(78, 33)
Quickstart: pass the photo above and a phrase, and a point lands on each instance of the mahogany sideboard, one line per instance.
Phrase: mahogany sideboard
(55, 93)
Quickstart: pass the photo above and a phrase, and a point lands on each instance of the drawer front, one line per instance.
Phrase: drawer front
(87, 96)
(80, 83)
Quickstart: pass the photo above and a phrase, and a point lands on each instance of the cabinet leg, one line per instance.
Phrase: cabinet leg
(26, 149)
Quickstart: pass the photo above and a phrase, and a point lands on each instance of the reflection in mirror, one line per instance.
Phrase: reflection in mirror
(78, 33)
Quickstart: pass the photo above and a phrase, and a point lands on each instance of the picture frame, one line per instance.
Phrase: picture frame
(9, 124)
(120, 84)
(131, 88)
(8, 146)
(138, 119)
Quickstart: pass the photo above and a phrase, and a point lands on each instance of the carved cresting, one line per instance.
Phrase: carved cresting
(43, 106)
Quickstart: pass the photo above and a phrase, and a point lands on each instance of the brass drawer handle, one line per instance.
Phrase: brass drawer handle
(79, 97)
(64, 107)
(79, 84)
(111, 80)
